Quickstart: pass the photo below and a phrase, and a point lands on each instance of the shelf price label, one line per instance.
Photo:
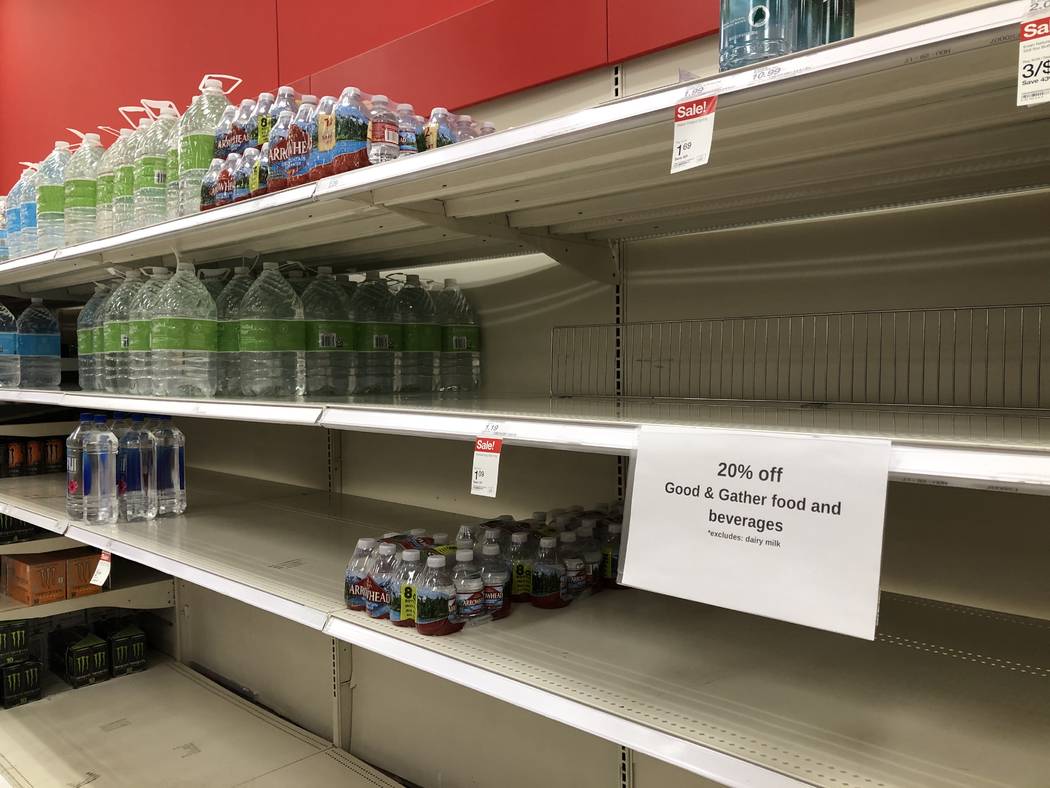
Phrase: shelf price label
(105, 564)
(1033, 62)
(784, 526)
(484, 475)
(694, 128)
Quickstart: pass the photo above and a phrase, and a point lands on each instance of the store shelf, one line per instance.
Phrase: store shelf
(135, 589)
(906, 118)
(48, 544)
(742, 700)
(166, 726)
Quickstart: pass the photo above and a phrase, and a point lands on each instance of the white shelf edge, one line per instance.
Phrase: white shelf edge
(146, 596)
(697, 759)
(44, 521)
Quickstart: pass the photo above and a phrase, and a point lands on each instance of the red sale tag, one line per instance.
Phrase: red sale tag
(484, 476)
(694, 128)
(105, 563)
(1033, 61)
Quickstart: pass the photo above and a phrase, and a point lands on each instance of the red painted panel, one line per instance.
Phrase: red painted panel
(494, 49)
(640, 26)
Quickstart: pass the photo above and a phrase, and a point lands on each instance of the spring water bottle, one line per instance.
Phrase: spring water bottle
(383, 137)
(209, 184)
(380, 575)
(124, 179)
(140, 324)
(116, 339)
(377, 337)
(13, 217)
(106, 182)
(242, 176)
(470, 589)
(51, 198)
(214, 280)
(549, 583)
(258, 125)
(436, 599)
(271, 337)
(88, 356)
(197, 141)
(221, 136)
(496, 581)
(81, 190)
(403, 589)
(227, 307)
(438, 131)
(280, 149)
(75, 467)
(408, 131)
(420, 338)
(329, 336)
(183, 338)
(3, 229)
(172, 197)
(171, 467)
(464, 128)
(150, 199)
(137, 472)
(301, 134)
(10, 367)
(240, 132)
(351, 132)
(38, 346)
(99, 468)
(354, 591)
(520, 557)
(322, 143)
(460, 340)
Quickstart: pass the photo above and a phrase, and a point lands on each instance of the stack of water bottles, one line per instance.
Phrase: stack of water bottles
(124, 467)
(275, 336)
(548, 560)
(30, 348)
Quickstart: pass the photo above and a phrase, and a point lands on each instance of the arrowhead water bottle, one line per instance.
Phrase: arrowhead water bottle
(408, 130)
(300, 142)
(271, 337)
(496, 581)
(99, 469)
(403, 589)
(171, 467)
(420, 338)
(470, 589)
(383, 136)
(460, 359)
(38, 347)
(322, 143)
(280, 150)
(88, 356)
(380, 575)
(436, 599)
(242, 176)
(10, 366)
(354, 590)
(81, 191)
(351, 132)
(285, 102)
(329, 336)
(150, 198)
(549, 583)
(51, 198)
(438, 131)
(116, 339)
(123, 163)
(183, 338)
(105, 183)
(208, 185)
(75, 467)
(377, 338)
(140, 321)
(240, 129)
(464, 128)
(221, 135)
(258, 125)
(223, 188)
(228, 306)
(197, 142)
(137, 472)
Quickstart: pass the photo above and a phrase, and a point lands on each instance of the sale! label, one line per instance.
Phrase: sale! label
(101, 575)
(484, 476)
(694, 128)
(1033, 66)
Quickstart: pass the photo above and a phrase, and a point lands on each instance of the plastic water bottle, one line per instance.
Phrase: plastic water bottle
(242, 176)
(10, 367)
(322, 143)
(487, 127)
(420, 338)
(239, 135)
(75, 467)
(223, 188)
(171, 467)
(351, 132)
(197, 142)
(259, 122)
(611, 556)
(383, 137)
(439, 132)
(172, 197)
(297, 279)
(3, 229)
(228, 306)
(354, 590)
(209, 184)
(124, 218)
(115, 332)
(105, 183)
(38, 347)
(408, 131)
(259, 180)
(380, 575)
(520, 557)
(403, 589)
(99, 469)
(120, 424)
(348, 284)
(329, 336)
(140, 325)
(575, 569)
(221, 134)
(460, 359)
(137, 472)
(88, 357)
(214, 280)
(151, 170)
(13, 217)
(752, 32)
(81, 190)
(183, 338)
(591, 552)
(285, 102)
(377, 338)
(496, 581)
(300, 140)
(271, 337)
(280, 150)
(51, 198)
(28, 207)
(549, 583)
(436, 599)
(464, 128)
(470, 589)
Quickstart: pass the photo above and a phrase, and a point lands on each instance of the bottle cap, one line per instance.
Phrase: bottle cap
(547, 542)
(144, 123)
(519, 537)
(492, 534)
(93, 138)
(271, 265)
(438, 111)
(61, 145)
(247, 103)
(265, 97)
(285, 90)
(450, 283)
(615, 528)
(415, 531)
(436, 561)
(410, 555)
(386, 548)
(309, 99)
(490, 549)
(507, 518)
(406, 108)
(488, 124)
(465, 554)
(212, 85)
(366, 544)
(327, 269)
(567, 536)
(440, 538)
(379, 98)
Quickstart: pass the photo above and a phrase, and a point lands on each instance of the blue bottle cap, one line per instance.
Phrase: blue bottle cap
(119, 414)
(100, 419)
(87, 416)
(136, 417)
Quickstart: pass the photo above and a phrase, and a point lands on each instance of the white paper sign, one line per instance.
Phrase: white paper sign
(694, 128)
(105, 563)
(784, 526)
(1033, 66)
(484, 476)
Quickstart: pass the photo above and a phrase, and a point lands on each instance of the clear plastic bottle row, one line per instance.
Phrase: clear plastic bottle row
(30, 347)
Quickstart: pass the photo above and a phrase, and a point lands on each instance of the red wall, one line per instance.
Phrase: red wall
(69, 63)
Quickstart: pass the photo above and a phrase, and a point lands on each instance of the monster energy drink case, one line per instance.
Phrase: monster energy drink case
(78, 657)
(14, 642)
(126, 644)
(21, 683)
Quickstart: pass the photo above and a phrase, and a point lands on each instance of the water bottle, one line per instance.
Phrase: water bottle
(354, 589)
(590, 552)
(470, 589)
(150, 200)
(227, 307)
(549, 583)
(13, 217)
(351, 132)
(380, 575)
(239, 135)
(223, 188)
(183, 338)
(259, 184)
(403, 589)
(214, 281)
(137, 472)
(10, 366)
(487, 127)
(322, 143)
(377, 338)
(420, 338)
(383, 136)
(88, 356)
(271, 337)
(300, 142)
(464, 128)
(75, 467)
(173, 197)
(285, 102)
(209, 183)
(242, 176)
(575, 569)
(824, 22)
(438, 131)
(81, 190)
(197, 142)
(3, 229)
(348, 284)
(115, 334)
(116, 214)
(460, 359)
(329, 336)
(436, 599)
(29, 205)
(99, 469)
(119, 424)
(221, 134)
(297, 279)
(754, 31)
(407, 130)
(611, 556)
(51, 198)
(520, 557)
(124, 180)
(259, 122)
(105, 183)
(38, 347)
(280, 150)
(140, 326)
(496, 582)
(171, 467)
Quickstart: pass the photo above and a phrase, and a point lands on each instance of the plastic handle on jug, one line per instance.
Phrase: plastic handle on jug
(124, 111)
(236, 81)
(31, 165)
(109, 129)
(159, 104)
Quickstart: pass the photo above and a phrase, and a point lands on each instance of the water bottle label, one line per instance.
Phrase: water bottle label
(28, 215)
(85, 342)
(73, 474)
(470, 602)
(150, 172)
(434, 604)
(229, 336)
(495, 593)
(9, 343)
(195, 152)
(98, 339)
(183, 333)
(377, 598)
(124, 181)
(129, 471)
(298, 146)
(329, 335)
(38, 345)
(370, 337)
(104, 190)
(460, 338)
(138, 335)
(115, 336)
(325, 131)
(575, 575)
(171, 166)
(272, 336)
(421, 338)
(265, 123)
(50, 199)
(81, 194)
(521, 577)
(610, 563)
(407, 141)
(548, 582)
(354, 590)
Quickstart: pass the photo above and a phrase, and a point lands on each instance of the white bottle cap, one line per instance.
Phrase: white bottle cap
(36, 300)
(567, 536)
(366, 544)
(133, 274)
(241, 269)
(440, 538)
(490, 549)
(547, 542)
(450, 283)
(264, 95)
(187, 267)
(309, 99)
(61, 145)
(406, 108)
(409, 555)
(212, 85)
(271, 265)
(92, 138)
(615, 528)
(285, 90)
(327, 269)
(436, 561)
(168, 112)
(492, 533)
(519, 537)
(386, 548)
(379, 98)
(247, 103)
(465, 554)
(488, 124)
(414, 531)
(439, 111)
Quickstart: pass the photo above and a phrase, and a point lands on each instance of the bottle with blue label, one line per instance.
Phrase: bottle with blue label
(351, 132)
(38, 347)
(403, 589)
(10, 368)
(137, 472)
(436, 599)
(171, 467)
(470, 588)
(322, 143)
(75, 467)
(409, 130)
(756, 30)
(354, 591)
(99, 469)
(380, 575)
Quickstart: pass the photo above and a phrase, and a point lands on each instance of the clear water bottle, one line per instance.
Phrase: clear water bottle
(591, 552)
(549, 583)
(116, 337)
(383, 137)
(322, 142)
(496, 581)
(377, 338)
(28, 206)
(228, 306)
(403, 589)
(119, 424)
(214, 280)
(470, 589)
(105, 181)
(436, 599)
(271, 337)
(611, 556)
(380, 575)
(88, 356)
(242, 176)
(351, 132)
(171, 467)
(329, 336)
(221, 135)
(197, 142)
(439, 132)
(354, 587)
(137, 472)
(408, 130)
(3, 229)
(464, 128)
(348, 284)
(520, 558)
(184, 338)
(13, 218)
(285, 102)
(75, 467)
(487, 127)
(51, 198)
(460, 359)
(140, 326)
(99, 470)
(420, 338)
(124, 181)
(172, 198)
(223, 188)
(259, 180)
(38, 346)
(280, 150)
(300, 139)
(10, 366)
(575, 569)
(150, 200)
(752, 31)
(240, 139)
(259, 122)
(209, 183)
(81, 190)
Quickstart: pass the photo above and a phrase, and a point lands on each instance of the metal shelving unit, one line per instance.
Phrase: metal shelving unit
(129, 593)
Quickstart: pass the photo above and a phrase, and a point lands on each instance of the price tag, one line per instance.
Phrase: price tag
(1033, 66)
(484, 476)
(784, 526)
(694, 128)
(105, 563)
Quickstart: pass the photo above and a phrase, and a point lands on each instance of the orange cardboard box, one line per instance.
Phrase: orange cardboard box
(81, 563)
(35, 578)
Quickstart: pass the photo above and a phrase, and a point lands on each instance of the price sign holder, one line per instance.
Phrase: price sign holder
(694, 128)
(783, 526)
(484, 475)
(1033, 61)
